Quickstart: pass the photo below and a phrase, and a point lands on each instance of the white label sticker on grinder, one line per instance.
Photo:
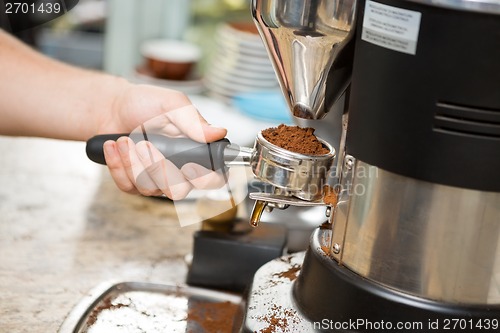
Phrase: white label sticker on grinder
(391, 27)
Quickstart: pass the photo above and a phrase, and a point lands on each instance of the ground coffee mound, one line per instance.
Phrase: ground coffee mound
(296, 139)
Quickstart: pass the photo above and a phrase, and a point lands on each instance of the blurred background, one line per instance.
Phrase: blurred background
(231, 81)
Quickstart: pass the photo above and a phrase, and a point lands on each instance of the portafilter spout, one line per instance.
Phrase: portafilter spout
(308, 43)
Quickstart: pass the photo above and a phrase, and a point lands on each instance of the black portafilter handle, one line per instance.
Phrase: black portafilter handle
(179, 150)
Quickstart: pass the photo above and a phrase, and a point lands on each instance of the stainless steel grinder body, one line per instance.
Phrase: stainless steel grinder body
(424, 128)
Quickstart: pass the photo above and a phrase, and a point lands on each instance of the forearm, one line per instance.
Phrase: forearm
(42, 97)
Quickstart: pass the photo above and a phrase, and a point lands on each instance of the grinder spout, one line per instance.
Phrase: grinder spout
(308, 43)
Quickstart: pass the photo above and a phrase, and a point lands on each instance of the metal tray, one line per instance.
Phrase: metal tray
(148, 307)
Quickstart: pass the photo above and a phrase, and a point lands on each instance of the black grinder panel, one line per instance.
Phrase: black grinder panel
(433, 115)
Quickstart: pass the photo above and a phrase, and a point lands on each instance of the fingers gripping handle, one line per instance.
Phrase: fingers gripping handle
(178, 151)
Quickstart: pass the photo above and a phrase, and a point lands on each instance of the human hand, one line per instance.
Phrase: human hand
(141, 168)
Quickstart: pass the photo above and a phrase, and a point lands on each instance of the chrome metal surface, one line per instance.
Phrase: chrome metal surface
(299, 221)
(235, 155)
(302, 176)
(484, 6)
(304, 39)
(339, 218)
(434, 241)
(286, 200)
(328, 212)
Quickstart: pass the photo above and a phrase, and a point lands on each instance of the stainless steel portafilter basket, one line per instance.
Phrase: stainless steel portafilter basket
(298, 179)
(298, 175)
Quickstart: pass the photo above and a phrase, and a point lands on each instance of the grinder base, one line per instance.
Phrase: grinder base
(327, 297)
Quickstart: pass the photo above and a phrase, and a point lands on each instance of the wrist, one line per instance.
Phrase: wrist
(105, 110)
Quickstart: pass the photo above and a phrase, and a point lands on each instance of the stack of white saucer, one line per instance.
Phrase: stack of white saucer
(240, 63)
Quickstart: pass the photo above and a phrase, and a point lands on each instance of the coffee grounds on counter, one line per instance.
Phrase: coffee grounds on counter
(280, 320)
(290, 274)
(295, 139)
(212, 317)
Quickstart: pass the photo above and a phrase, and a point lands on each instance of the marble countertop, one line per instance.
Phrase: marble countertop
(65, 228)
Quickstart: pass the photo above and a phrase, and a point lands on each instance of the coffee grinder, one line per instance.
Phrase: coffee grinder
(413, 243)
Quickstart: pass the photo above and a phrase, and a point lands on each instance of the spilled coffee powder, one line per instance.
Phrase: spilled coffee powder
(212, 317)
(296, 139)
(290, 274)
(105, 305)
(280, 320)
(169, 312)
(330, 196)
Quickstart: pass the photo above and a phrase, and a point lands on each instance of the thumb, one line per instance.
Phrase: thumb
(190, 122)
(213, 133)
